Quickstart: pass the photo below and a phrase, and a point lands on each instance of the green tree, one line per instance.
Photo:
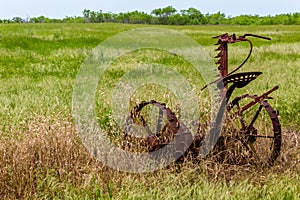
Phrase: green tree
(18, 20)
(93, 17)
(192, 16)
(177, 19)
(108, 17)
(163, 14)
(86, 14)
(216, 18)
(100, 17)
(244, 20)
(72, 20)
(40, 19)
(266, 20)
(297, 18)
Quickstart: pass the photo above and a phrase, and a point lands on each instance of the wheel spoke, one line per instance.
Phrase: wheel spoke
(255, 116)
(146, 126)
(148, 130)
(159, 121)
(250, 147)
(259, 129)
(158, 134)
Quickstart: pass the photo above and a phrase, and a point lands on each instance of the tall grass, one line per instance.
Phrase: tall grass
(47, 160)
(41, 156)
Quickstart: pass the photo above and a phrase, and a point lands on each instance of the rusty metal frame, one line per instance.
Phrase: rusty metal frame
(237, 80)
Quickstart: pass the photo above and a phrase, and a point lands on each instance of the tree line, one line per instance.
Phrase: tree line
(166, 16)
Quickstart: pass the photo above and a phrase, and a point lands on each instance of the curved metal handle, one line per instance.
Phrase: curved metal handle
(258, 36)
(246, 59)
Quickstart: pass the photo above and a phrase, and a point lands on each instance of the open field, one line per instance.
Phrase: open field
(42, 157)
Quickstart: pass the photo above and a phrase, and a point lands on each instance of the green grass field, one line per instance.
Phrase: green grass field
(41, 156)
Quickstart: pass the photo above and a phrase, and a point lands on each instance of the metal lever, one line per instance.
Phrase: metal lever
(258, 36)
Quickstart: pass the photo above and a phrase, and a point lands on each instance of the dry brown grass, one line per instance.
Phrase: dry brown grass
(289, 158)
(49, 147)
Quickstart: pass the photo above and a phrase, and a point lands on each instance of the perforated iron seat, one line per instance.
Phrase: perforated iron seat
(239, 80)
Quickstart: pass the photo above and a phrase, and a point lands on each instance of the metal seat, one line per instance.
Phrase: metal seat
(239, 80)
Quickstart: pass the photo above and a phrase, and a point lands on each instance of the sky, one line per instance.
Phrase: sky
(63, 8)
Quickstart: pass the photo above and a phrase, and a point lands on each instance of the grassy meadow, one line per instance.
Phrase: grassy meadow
(41, 156)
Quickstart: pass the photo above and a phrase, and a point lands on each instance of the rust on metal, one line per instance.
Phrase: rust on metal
(227, 83)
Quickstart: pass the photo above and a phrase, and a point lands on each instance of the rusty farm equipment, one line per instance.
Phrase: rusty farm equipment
(251, 131)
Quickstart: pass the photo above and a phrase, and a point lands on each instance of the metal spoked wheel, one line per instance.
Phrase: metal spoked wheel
(252, 135)
(158, 126)
(145, 125)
